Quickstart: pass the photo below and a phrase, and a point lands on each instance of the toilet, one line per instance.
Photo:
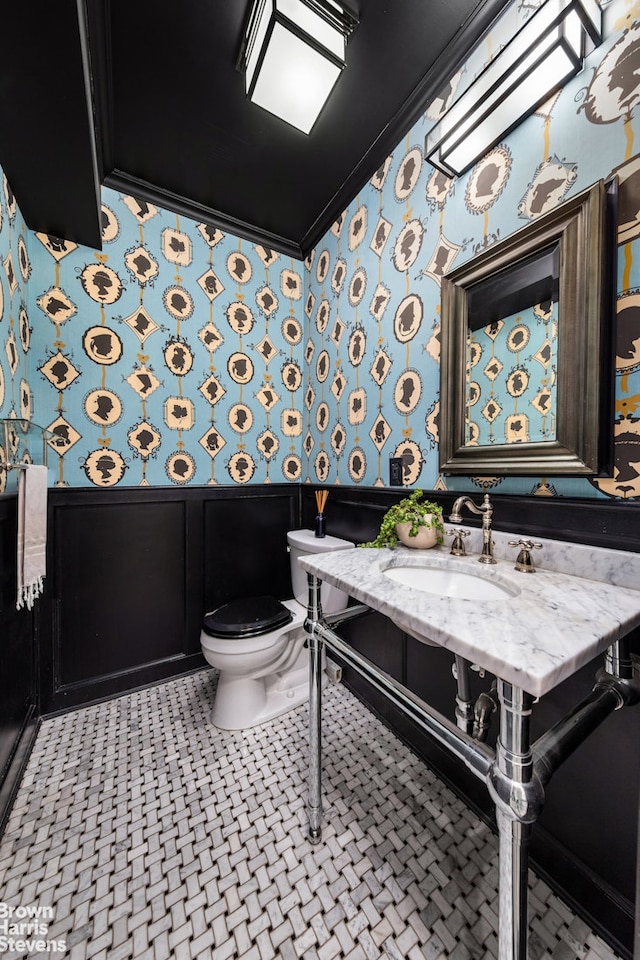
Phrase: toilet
(257, 644)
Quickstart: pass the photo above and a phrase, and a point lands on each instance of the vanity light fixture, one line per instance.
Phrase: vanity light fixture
(546, 52)
(293, 53)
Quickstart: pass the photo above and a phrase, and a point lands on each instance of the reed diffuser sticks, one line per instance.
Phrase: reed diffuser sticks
(321, 500)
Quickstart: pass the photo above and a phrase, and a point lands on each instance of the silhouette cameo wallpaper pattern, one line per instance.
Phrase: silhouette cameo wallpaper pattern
(182, 355)
(510, 382)
(372, 294)
(172, 355)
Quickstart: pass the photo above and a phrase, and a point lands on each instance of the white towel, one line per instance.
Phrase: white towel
(32, 533)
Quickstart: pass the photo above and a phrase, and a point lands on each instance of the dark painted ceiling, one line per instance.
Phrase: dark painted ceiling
(144, 96)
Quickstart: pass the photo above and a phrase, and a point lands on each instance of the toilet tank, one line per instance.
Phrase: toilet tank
(302, 543)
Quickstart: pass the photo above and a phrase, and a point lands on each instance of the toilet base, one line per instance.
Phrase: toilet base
(241, 703)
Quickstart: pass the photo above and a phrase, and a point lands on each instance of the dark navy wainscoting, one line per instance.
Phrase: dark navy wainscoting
(131, 572)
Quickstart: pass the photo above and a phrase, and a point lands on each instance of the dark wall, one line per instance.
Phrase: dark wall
(245, 544)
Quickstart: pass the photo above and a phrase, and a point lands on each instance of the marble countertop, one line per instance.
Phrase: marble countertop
(555, 624)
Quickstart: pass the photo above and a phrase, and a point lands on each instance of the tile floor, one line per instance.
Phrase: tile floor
(142, 831)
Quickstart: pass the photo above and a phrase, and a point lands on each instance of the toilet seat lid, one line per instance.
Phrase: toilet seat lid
(249, 617)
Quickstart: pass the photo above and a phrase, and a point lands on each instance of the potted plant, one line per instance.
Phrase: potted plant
(414, 521)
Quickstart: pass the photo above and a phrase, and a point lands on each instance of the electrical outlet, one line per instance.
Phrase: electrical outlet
(395, 471)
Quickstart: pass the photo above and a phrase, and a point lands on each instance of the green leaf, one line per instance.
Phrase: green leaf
(414, 510)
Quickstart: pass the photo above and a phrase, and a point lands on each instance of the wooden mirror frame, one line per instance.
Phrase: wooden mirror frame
(582, 229)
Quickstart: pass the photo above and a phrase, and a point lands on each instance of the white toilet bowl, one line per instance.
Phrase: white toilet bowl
(257, 645)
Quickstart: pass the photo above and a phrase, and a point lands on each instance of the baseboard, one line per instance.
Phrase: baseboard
(14, 769)
(96, 689)
(607, 912)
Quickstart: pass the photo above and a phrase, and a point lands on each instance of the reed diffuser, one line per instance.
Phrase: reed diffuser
(321, 500)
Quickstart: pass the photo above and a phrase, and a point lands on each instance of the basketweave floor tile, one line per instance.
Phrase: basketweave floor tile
(141, 830)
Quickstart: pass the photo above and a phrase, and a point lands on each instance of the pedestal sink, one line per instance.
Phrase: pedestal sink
(445, 580)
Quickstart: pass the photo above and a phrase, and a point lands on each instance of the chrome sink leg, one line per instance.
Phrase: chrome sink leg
(618, 661)
(518, 796)
(314, 797)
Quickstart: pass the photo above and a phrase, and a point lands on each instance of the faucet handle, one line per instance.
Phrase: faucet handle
(457, 544)
(524, 561)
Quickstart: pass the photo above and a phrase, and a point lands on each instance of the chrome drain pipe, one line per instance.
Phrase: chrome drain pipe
(486, 705)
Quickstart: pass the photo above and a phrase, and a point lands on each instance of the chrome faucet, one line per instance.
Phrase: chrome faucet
(486, 512)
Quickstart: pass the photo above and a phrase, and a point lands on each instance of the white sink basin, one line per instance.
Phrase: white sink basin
(449, 582)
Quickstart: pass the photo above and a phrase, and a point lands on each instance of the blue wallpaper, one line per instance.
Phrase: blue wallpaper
(16, 396)
(511, 381)
(182, 355)
(373, 284)
(171, 356)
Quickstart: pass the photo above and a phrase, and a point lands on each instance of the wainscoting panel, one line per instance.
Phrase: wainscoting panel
(132, 572)
(120, 578)
(245, 543)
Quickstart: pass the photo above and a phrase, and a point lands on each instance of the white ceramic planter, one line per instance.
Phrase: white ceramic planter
(425, 538)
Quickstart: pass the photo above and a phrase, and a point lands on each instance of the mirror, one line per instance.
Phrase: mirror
(526, 375)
